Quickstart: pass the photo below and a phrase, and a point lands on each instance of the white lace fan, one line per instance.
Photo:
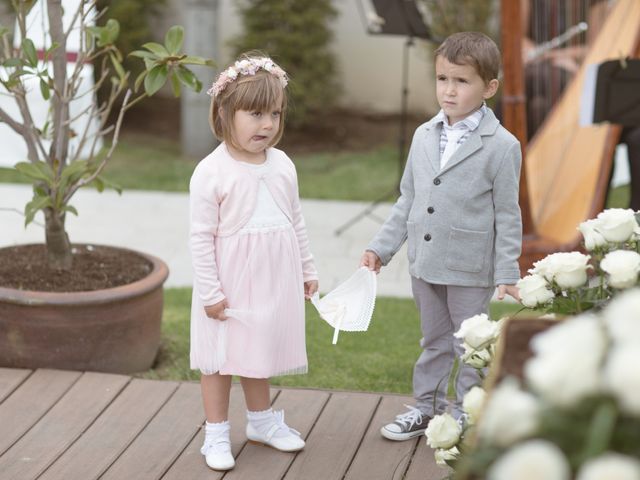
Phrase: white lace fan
(349, 306)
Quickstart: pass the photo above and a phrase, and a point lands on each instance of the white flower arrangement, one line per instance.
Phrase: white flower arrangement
(559, 283)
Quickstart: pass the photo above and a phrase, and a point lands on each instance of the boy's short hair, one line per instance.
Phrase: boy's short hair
(472, 48)
(259, 92)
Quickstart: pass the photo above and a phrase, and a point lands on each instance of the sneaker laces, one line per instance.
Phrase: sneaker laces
(410, 418)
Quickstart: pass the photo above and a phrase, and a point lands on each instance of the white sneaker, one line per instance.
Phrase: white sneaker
(217, 453)
(277, 435)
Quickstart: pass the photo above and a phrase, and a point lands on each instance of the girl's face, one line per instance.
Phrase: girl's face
(253, 132)
(460, 90)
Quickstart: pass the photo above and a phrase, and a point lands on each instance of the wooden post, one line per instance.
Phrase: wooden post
(513, 94)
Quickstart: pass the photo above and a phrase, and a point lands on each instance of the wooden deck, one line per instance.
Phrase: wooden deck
(80, 426)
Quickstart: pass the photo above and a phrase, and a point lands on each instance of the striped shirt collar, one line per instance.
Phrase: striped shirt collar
(470, 122)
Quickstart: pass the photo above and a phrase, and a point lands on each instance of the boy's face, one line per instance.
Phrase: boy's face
(460, 90)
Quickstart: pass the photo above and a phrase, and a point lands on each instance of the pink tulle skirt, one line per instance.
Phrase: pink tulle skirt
(261, 275)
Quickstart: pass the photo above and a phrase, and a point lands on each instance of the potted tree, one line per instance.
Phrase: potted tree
(113, 327)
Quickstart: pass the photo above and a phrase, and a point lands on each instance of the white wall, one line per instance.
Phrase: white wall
(370, 66)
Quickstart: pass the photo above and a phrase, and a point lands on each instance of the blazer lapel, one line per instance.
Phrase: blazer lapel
(432, 146)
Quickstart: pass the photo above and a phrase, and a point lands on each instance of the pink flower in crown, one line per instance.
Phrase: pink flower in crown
(247, 67)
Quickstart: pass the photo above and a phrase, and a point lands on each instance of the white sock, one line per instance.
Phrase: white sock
(263, 420)
(217, 434)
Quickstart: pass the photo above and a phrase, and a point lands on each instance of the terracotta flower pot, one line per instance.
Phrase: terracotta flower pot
(112, 330)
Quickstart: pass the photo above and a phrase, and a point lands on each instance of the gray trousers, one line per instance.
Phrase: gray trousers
(443, 308)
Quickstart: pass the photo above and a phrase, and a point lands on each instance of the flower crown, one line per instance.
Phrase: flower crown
(247, 66)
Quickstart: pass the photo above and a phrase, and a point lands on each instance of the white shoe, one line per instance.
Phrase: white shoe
(277, 435)
(217, 454)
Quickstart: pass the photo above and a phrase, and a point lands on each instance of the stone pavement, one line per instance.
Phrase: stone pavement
(157, 223)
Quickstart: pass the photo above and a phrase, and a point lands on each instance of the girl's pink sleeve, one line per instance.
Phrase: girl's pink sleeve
(309, 271)
(203, 225)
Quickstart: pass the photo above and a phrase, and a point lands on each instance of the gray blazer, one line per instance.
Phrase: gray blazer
(463, 222)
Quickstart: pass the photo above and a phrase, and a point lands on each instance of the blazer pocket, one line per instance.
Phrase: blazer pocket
(411, 241)
(467, 250)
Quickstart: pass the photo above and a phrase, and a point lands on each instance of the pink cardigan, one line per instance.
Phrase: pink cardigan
(223, 194)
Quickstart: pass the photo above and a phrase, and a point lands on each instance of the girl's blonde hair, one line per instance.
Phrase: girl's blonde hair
(258, 92)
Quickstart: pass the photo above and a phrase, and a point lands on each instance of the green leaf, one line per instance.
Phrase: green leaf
(155, 79)
(157, 49)
(112, 27)
(173, 39)
(50, 50)
(12, 63)
(44, 89)
(139, 80)
(143, 54)
(71, 209)
(30, 53)
(600, 431)
(34, 206)
(188, 78)
(110, 184)
(118, 66)
(36, 171)
(175, 84)
(193, 60)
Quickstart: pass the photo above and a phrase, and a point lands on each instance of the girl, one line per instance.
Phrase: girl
(251, 259)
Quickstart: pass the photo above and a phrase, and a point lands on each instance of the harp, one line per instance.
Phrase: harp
(566, 167)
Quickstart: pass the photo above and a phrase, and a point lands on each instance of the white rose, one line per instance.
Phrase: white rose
(622, 266)
(476, 358)
(567, 269)
(622, 317)
(478, 331)
(509, 414)
(442, 455)
(533, 460)
(473, 402)
(621, 376)
(566, 364)
(443, 432)
(610, 466)
(617, 224)
(534, 290)
(592, 237)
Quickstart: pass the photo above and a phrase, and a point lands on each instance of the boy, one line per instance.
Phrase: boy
(458, 208)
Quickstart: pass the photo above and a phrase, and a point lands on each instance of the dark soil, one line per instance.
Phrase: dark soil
(94, 268)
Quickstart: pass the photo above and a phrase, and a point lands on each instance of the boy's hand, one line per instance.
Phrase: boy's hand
(371, 261)
(511, 290)
(310, 288)
(216, 310)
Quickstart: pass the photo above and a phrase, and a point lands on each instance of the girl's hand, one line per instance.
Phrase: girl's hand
(216, 311)
(511, 290)
(310, 288)
(371, 261)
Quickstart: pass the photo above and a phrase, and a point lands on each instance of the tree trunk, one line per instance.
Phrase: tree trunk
(58, 245)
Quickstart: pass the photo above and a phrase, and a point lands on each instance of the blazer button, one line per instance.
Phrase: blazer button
(430, 210)
(436, 181)
(427, 237)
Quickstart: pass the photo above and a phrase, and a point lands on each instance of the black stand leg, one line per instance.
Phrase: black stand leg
(393, 194)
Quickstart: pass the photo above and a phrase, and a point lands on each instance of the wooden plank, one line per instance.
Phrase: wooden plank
(379, 458)
(190, 464)
(423, 464)
(335, 438)
(10, 378)
(29, 402)
(302, 408)
(112, 432)
(61, 426)
(164, 438)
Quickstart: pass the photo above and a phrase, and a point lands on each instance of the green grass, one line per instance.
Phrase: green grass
(380, 359)
(151, 163)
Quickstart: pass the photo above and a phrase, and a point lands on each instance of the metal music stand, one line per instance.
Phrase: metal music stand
(393, 17)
